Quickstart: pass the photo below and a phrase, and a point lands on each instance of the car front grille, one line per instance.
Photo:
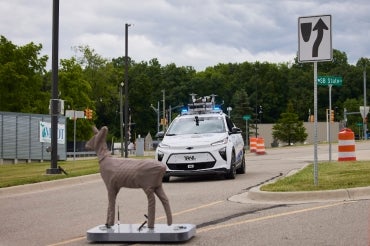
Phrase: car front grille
(195, 166)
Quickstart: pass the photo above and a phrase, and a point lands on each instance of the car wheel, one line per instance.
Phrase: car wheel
(232, 172)
(166, 178)
(241, 169)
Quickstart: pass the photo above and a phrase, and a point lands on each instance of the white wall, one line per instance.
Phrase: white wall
(265, 131)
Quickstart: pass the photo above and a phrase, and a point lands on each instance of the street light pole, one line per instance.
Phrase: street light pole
(121, 115)
(229, 111)
(54, 93)
(126, 89)
(365, 115)
(164, 110)
(157, 112)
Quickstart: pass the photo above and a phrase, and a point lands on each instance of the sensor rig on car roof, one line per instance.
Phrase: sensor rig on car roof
(202, 105)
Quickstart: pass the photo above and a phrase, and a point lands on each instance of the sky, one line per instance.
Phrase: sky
(196, 33)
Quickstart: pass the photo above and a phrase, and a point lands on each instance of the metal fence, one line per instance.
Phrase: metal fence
(20, 139)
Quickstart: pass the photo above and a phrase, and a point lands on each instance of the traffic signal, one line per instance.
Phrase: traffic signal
(332, 116)
(163, 121)
(88, 113)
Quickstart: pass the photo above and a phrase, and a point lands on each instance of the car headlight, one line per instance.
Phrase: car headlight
(223, 141)
(162, 145)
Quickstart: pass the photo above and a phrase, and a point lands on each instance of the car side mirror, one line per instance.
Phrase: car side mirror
(235, 130)
(159, 134)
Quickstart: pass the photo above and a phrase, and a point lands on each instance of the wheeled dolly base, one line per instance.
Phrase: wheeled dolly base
(140, 233)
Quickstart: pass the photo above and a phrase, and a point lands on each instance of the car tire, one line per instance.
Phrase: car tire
(166, 178)
(232, 171)
(241, 169)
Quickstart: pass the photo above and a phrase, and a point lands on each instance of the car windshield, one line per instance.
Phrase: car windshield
(196, 125)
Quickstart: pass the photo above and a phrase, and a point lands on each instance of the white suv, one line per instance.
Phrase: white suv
(202, 140)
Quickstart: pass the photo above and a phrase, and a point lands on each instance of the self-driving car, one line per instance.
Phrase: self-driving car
(202, 140)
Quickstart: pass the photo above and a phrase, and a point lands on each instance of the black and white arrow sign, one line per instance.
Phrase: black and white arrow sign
(314, 38)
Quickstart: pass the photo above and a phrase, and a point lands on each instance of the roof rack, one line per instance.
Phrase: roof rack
(202, 105)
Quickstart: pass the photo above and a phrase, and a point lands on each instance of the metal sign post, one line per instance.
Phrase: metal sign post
(74, 115)
(315, 44)
(246, 118)
(315, 159)
(329, 81)
(329, 128)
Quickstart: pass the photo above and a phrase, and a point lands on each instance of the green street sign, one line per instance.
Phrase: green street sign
(246, 117)
(329, 80)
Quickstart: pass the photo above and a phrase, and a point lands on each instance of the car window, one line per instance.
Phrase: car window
(196, 125)
(230, 125)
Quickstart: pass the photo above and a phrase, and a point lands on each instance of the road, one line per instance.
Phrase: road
(61, 215)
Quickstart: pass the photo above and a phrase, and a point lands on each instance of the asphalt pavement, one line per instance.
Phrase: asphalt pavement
(254, 195)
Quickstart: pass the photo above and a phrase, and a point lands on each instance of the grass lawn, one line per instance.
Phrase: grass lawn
(28, 173)
(331, 176)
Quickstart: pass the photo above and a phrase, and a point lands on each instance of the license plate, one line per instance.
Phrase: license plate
(190, 158)
(190, 166)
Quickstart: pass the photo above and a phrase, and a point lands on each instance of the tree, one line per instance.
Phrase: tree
(289, 128)
(353, 105)
(240, 107)
(21, 78)
(75, 90)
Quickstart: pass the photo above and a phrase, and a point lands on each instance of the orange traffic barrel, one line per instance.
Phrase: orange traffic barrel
(253, 144)
(260, 146)
(346, 145)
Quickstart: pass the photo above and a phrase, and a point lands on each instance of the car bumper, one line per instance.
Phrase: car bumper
(196, 172)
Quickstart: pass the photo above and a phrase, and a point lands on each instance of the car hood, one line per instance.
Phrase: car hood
(193, 140)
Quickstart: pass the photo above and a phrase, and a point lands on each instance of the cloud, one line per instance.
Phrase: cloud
(187, 33)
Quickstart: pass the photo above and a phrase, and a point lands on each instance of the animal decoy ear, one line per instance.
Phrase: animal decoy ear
(95, 130)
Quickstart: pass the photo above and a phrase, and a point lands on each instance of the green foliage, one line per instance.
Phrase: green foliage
(240, 107)
(20, 174)
(75, 90)
(89, 80)
(22, 87)
(289, 128)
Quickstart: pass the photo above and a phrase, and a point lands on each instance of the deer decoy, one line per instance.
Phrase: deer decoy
(116, 173)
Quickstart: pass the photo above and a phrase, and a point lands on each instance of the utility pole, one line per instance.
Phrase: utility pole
(54, 92)
(365, 115)
(121, 115)
(126, 89)
(164, 111)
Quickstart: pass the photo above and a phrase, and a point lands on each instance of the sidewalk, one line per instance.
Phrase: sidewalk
(255, 195)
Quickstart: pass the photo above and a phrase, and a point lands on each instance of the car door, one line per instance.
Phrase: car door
(236, 139)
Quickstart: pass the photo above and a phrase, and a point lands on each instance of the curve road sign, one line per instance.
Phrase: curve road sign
(314, 38)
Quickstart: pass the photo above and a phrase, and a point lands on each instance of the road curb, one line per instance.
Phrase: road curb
(256, 195)
(46, 185)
